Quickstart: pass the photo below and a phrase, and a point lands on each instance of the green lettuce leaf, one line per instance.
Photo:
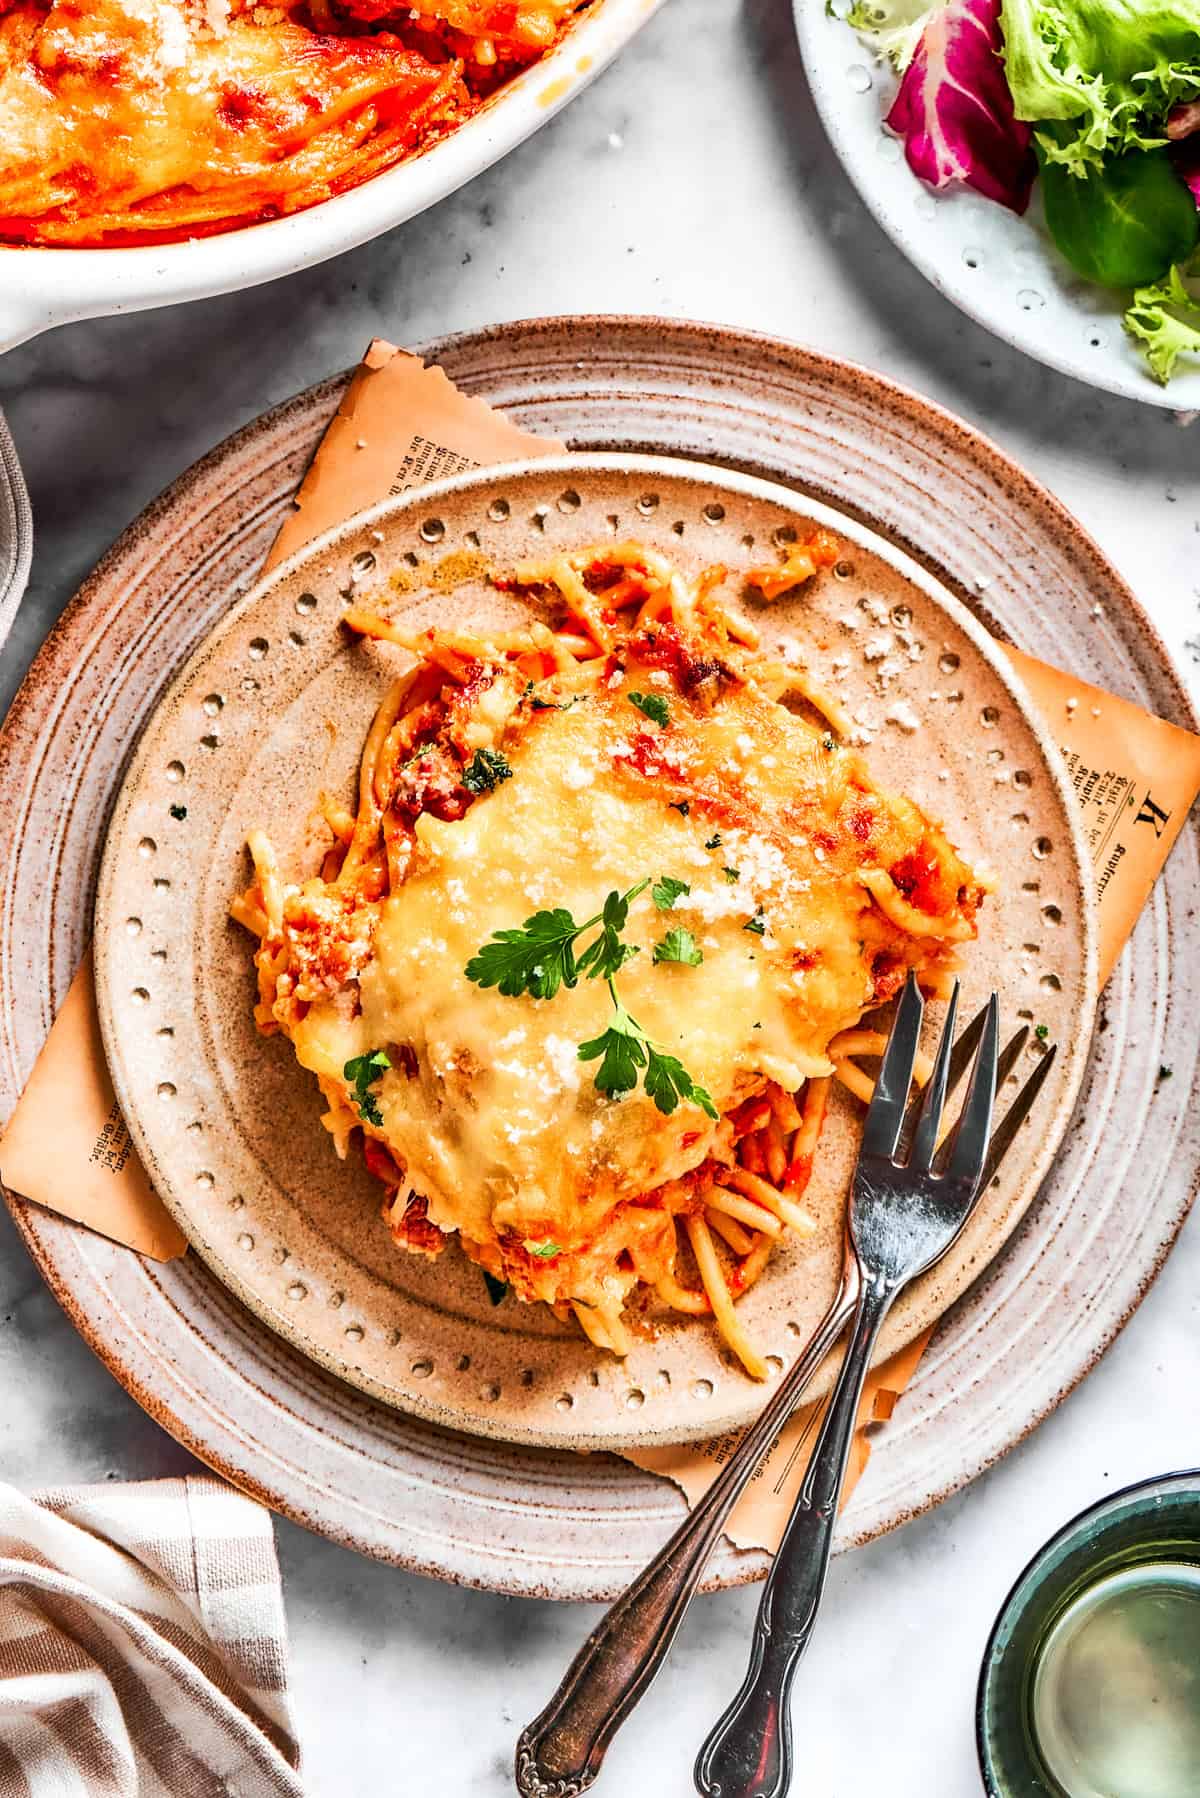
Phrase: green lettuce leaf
(1122, 224)
(1099, 76)
(1165, 320)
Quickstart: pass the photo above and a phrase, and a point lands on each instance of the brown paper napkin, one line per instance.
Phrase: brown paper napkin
(401, 425)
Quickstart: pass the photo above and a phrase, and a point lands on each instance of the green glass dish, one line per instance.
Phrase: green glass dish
(1153, 1522)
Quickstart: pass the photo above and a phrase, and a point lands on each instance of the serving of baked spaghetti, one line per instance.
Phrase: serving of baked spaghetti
(142, 121)
(581, 963)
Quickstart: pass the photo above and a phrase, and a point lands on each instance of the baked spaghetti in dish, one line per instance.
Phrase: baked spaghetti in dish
(132, 121)
(580, 965)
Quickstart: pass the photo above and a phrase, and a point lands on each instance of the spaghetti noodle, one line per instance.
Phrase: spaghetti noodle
(581, 963)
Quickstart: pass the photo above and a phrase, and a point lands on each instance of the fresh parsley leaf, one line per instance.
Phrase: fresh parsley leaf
(485, 770)
(668, 1081)
(546, 1250)
(714, 842)
(679, 945)
(623, 1047)
(364, 1071)
(497, 1290)
(179, 811)
(652, 705)
(608, 954)
(626, 1049)
(757, 923)
(679, 805)
(732, 873)
(538, 958)
(1042, 1031)
(666, 890)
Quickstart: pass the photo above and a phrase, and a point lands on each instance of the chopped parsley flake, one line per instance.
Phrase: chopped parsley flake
(679, 945)
(364, 1071)
(179, 811)
(714, 842)
(546, 1250)
(679, 805)
(732, 873)
(666, 890)
(652, 705)
(827, 742)
(485, 770)
(497, 1290)
(1165, 1073)
(1042, 1032)
(757, 923)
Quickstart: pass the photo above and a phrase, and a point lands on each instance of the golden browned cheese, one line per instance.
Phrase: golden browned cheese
(487, 1108)
(139, 120)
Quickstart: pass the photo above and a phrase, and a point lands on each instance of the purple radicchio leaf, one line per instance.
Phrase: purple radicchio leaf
(954, 110)
(1186, 158)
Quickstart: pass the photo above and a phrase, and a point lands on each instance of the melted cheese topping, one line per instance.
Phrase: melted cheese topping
(127, 119)
(496, 1122)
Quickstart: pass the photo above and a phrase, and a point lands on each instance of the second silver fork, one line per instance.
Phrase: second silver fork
(561, 1752)
(908, 1204)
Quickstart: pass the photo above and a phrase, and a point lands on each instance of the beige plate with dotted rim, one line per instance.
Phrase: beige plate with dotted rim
(227, 1124)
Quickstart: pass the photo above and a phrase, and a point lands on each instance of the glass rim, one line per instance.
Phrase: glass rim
(1136, 1488)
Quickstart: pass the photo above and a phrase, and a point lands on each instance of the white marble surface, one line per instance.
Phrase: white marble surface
(691, 179)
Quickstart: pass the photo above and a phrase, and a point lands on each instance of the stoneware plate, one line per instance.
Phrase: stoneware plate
(542, 1521)
(228, 1126)
(1003, 271)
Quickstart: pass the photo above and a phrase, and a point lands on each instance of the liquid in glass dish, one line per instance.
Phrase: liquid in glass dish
(1116, 1692)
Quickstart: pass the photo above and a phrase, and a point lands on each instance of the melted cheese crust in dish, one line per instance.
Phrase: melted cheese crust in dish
(632, 763)
(126, 121)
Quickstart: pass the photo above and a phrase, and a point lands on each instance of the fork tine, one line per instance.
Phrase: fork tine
(933, 1099)
(885, 1113)
(970, 1143)
(961, 1057)
(1010, 1053)
(1005, 1132)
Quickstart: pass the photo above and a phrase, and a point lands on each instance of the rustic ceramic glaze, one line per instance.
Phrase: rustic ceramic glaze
(228, 1126)
(526, 1519)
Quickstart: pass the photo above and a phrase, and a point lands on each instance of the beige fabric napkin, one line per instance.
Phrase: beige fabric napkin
(142, 1645)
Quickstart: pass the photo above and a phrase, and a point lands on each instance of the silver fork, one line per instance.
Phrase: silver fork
(561, 1752)
(904, 1213)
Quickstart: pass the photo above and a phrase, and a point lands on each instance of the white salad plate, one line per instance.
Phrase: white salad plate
(1001, 270)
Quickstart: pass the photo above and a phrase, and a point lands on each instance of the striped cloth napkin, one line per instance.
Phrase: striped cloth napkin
(142, 1645)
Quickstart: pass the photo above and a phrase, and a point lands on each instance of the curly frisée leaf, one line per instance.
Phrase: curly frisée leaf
(1165, 320)
(892, 27)
(1099, 76)
(954, 110)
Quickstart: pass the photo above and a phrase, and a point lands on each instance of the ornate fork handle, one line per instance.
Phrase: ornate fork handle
(560, 1753)
(748, 1754)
